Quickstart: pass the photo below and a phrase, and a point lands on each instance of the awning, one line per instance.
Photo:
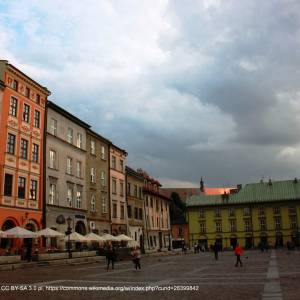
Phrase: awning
(48, 232)
(19, 232)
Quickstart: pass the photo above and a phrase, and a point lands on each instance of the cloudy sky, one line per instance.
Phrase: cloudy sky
(189, 88)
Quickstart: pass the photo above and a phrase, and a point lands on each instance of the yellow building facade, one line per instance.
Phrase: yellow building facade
(260, 214)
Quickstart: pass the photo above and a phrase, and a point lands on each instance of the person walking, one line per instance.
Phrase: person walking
(110, 256)
(238, 253)
(216, 250)
(136, 254)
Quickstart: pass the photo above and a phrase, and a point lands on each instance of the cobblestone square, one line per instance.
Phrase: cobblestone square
(271, 275)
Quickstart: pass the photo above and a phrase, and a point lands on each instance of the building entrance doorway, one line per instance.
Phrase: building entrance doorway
(233, 242)
(7, 243)
(279, 240)
(248, 242)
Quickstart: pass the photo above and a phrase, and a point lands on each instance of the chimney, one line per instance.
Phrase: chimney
(201, 185)
(270, 182)
(296, 180)
(239, 187)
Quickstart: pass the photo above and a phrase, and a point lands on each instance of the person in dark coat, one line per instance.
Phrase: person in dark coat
(216, 250)
(110, 256)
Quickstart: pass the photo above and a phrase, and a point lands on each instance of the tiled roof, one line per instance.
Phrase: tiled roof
(252, 193)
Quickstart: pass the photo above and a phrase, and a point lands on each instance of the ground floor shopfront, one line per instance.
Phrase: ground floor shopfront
(157, 240)
(97, 226)
(29, 219)
(117, 229)
(57, 218)
(247, 240)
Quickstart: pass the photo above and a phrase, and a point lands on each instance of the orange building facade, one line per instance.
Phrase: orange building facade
(22, 113)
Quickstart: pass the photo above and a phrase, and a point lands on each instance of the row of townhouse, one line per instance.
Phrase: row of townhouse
(55, 171)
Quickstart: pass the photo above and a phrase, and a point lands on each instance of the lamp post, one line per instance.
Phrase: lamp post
(68, 232)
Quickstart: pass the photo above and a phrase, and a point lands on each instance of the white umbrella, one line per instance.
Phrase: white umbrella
(123, 237)
(94, 237)
(19, 232)
(109, 237)
(133, 244)
(76, 237)
(48, 232)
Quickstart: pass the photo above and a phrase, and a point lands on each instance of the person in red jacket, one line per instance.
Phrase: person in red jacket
(238, 252)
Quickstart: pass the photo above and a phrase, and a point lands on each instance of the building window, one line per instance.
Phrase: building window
(70, 136)
(24, 149)
(33, 189)
(102, 152)
(21, 187)
(261, 211)
(53, 126)
(121, 188)
(128, 188)
(122, 212)
(114, 210)
(78, 169)
(103, 183)
(129, 213)
(140, 214)
(232, 226)
(202, 227)
(113, 162)
(218, 212)
(140, 193)
(15, 85)
(247, 225)
(79, 140)
(136, 213)
(246, 211)
(201, 213)
(13, 108)
(293, 221)
(37, 98)
(93, 147)
(231, 212)
(151, 202)
(276, 210)
(70, 196)
(69, 165)
(263, 224)
(114, 186)
(11, 141)
(218, 226)
(78, 199)
(35, 153)
(52, 159)
(292, 210)
(121, 165)
(52, 193)
(37, 116)
(104, 205)
(135, 191)
(277, 221)
(27, 92)
(26, 113)
(93, 175)
(8, 185)
(93, 203)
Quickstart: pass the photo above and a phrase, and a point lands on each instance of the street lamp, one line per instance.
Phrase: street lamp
(68, 232)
